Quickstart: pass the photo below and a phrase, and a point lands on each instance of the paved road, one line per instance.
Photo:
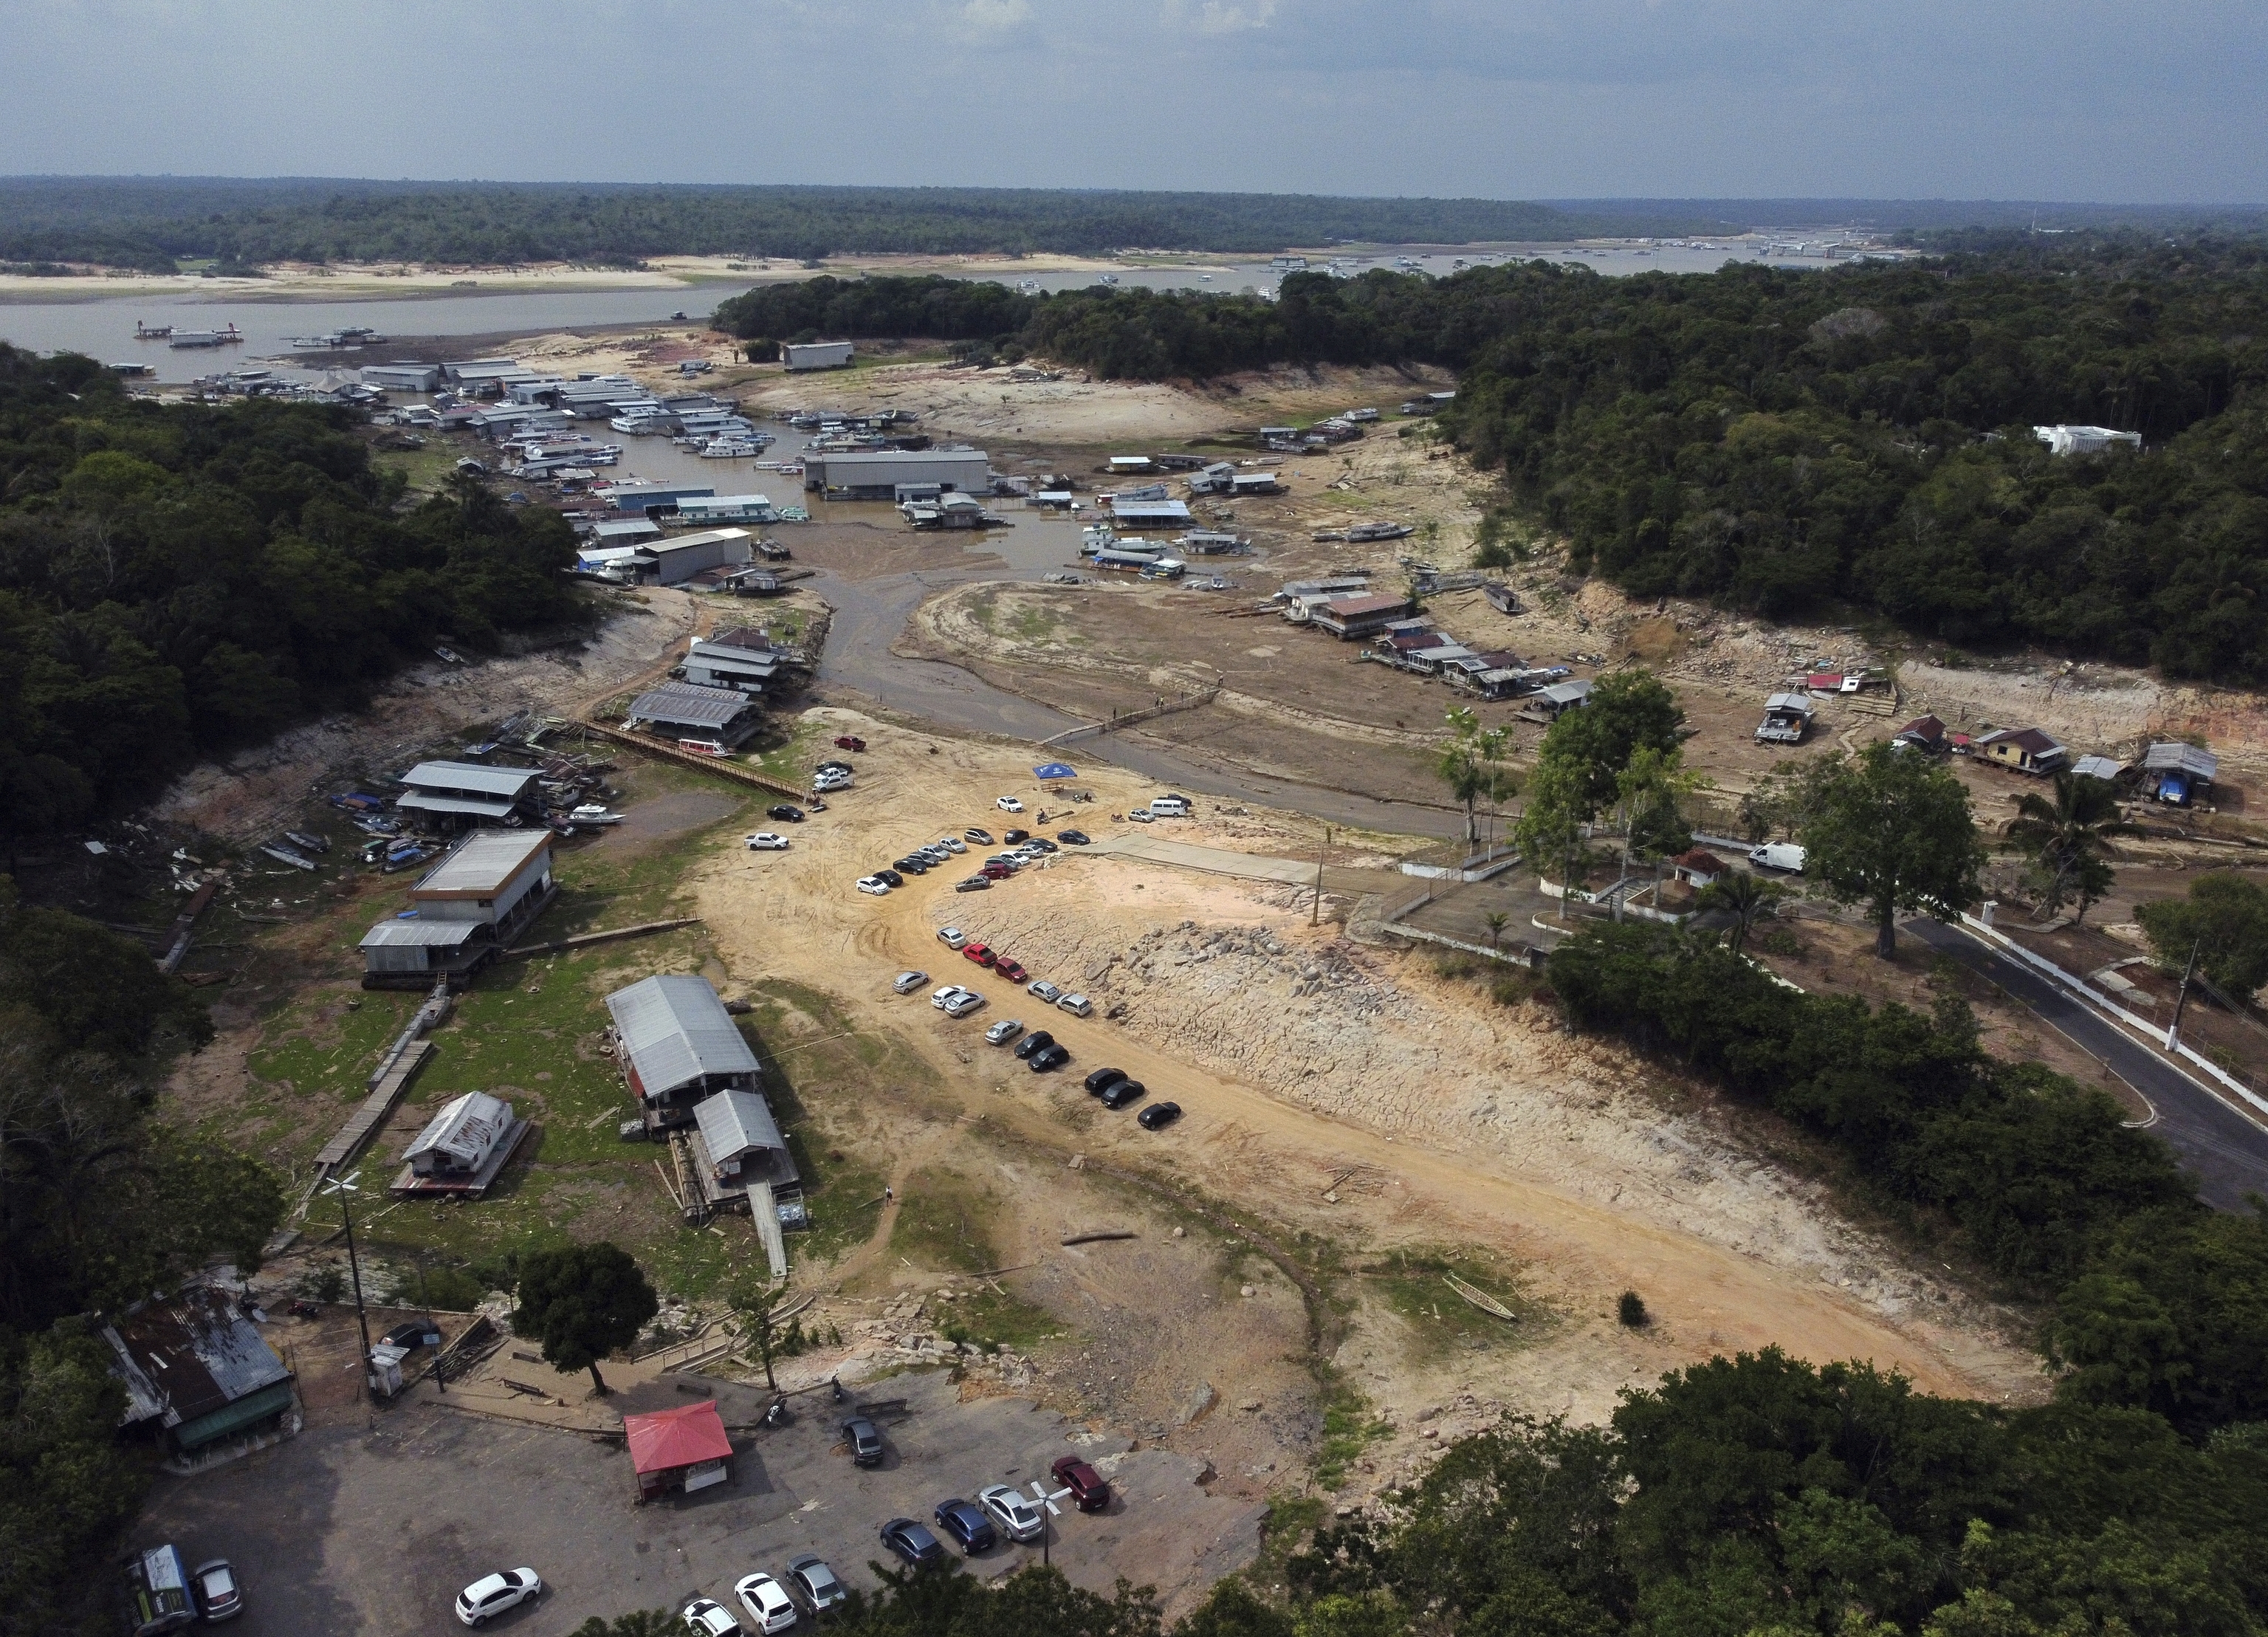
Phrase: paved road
(2229, 1151)
(870, 615)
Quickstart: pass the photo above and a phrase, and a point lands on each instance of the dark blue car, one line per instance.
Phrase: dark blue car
(913, 1543)
(966, 1525)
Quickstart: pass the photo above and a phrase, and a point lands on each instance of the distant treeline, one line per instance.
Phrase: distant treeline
(154, 223)
(1783, 440)
(180, 579)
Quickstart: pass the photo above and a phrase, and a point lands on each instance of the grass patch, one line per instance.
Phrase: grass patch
(1349, 1428)
(945, 1222)
(1286, 1526)
(983, 607)
(1414, 1283)
(790, 760)
(1035, 623)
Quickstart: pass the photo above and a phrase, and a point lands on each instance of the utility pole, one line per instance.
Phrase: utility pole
(344, 1188)
(1317, 920)
(2182, 996)
(431, 1328)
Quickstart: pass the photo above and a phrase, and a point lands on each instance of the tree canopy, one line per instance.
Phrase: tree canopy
(583, 1302)
(1892, 829)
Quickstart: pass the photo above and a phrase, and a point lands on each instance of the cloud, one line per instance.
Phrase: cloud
(1220, 16)
(995, 14)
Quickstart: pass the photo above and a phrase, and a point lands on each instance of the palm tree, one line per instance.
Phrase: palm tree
(1747, 898)
(2068, 838)
(1497, 920)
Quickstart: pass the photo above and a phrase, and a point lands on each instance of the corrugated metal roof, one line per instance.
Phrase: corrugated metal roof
(1567, 693)
(418, 801)
(411, 934)
(1798, 703)
(2168, 757)
(501, 781)
(187, 1357)
(1354, 608)
(485, 861)
(464, 1130)
(675, 1030)
(2100, 767)
(688, 704)
(733, 1121)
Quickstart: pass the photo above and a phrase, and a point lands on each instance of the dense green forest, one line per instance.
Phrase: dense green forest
(181, 579)
(1783, 440)
(153, 223)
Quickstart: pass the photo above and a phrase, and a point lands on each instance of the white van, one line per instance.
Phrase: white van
(1778, 855)
(1169, 807)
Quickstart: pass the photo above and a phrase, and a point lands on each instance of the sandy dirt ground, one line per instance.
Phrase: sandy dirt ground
(1302, 1059)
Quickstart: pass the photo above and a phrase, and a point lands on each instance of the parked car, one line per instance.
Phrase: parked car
(1004, 1031)
(910, 865)
(992, 871)
(962, 1003)
(1074, 838)
(705, 1616)
(1015, 835)
(1778, 855)
(974, 883)
(1009, 804)
(1011, 1512)
(1046, 991)
(1124, 1092)
(1103, 1080)
(891, 877)
(952, 936)
(944, 994)
(833, 766)
(768, 841)
(785, 813)
(906, 983)
(827, 783)
(1012, 970)
(413, 1335)
(968, 1525)
(492, 1594)
(849, 742)
(1050, 1058)
(1008, 861)
(874, 884)
(1038, 1040)
(814, 1583)
(978, 834)
(865, 1441)
(979, 952)
(1140, 815)
(767, 1602)
(1158, 1116)
(1078, 1006)
(1041, 844)
(220, 1596)
(952, 844)
(911, 1542)
(1088, 1492)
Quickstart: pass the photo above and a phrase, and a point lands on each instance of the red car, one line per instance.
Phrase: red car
(997, 872)
(1012, 969)
(850, 742)
(1088, 1492)
(982, 954)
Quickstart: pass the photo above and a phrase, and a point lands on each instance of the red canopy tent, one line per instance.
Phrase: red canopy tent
(685, 1448)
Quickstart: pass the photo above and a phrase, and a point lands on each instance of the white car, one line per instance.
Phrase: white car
(945, 996)
(1141, 816)
(1009, 804)
(492, 1594)
(1012, 1513)
(906, 983)
(827, 783)
(962, 1003)
(952, 936)
(875, 885)
(767, 841)
(767, 1602)
(705, 1616)
(952, 844)
(1004, 1031)
(1078, 1006)
(1045, 989)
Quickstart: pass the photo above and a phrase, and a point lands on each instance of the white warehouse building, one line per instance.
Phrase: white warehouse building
(876, 474)
(816, 355)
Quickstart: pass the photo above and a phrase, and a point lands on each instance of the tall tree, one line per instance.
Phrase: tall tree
(1747, 897)
(1468, 763)
(1893, 831)
(583, 1302)
(757, 1302)
(2223, 918)
(2068, 836)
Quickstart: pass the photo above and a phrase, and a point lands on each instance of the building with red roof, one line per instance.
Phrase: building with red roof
(685, 1448)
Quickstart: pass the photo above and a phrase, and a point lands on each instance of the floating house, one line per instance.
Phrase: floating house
(679, 1045)
(462, 1149)
(464, 911)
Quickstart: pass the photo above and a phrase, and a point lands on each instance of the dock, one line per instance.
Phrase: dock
(375, 1109)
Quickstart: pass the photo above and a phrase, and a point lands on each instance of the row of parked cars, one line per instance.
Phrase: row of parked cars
(998, 1512)
(1022, 850)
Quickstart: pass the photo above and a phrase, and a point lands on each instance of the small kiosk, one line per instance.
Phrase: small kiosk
(684, 1449)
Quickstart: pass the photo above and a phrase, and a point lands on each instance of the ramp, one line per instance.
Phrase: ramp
(375, 1109)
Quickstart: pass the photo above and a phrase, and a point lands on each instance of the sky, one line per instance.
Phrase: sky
(2156, 102)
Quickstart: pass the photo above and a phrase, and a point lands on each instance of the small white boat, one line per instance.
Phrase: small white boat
(728, 449)
(592, 813)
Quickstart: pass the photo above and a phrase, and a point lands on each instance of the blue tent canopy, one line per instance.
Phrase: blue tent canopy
(1055, 770)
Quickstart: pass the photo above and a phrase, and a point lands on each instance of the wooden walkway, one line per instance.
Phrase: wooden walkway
(723, 767)
(375, 1109)
(765, 1209)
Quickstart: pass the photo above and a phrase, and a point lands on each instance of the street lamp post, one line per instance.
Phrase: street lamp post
(344, 1187)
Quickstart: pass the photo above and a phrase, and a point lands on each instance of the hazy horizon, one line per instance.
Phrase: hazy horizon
(2076, 103)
